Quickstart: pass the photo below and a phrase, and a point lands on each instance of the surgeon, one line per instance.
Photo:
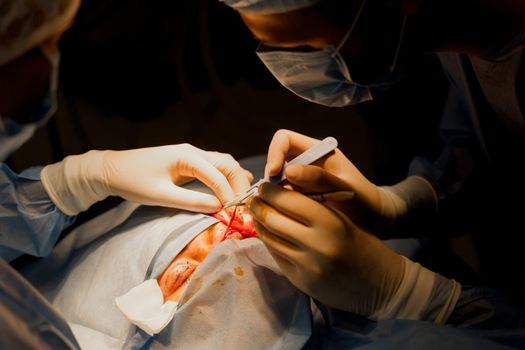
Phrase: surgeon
(39, 203)
(343, 52)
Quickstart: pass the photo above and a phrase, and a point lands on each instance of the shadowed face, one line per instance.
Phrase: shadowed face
(468, 26)
(303, 28)
(369, 50)
(27, 30)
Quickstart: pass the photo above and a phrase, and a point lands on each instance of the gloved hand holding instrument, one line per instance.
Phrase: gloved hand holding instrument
(380, 209)
(331, 258)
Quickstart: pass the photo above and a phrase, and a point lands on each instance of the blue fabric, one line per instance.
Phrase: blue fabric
(320, 76)
(31, 223)
(462, 146)
(488, 310)
(483, 319)
(479, 172)
(474, 135)
(26, 319)
(13, 134)
(479, 178)
(408, 335)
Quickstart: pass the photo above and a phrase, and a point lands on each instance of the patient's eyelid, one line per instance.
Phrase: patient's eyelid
(181, 267)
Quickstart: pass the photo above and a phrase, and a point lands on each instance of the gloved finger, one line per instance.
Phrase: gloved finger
(292, 272)
(283, 259)
(285, 145)
(285, 227)
(290, 203)
(170, 195)
(287, 267)
(265, 231)
(313, 179)
(207, 173)
(249, 175)
(285, 248)
(233, 172)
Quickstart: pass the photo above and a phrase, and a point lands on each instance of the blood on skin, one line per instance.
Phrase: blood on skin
(234, 224)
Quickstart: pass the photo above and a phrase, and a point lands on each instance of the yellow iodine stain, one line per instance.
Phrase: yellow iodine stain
(238, 271)
(218, 283)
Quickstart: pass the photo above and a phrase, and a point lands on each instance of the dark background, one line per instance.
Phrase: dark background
(138, 73)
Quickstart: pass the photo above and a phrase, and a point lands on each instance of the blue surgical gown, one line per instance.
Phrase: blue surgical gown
(482, 319)
(29, 224)
(479, 175)
(27, 320)
(30, 221)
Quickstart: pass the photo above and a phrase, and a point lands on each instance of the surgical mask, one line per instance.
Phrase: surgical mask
(55, 16)
(322, 76)
(13, 134)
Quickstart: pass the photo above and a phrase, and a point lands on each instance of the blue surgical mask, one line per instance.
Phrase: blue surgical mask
(13, 134)
(315, 76)
(322, 76)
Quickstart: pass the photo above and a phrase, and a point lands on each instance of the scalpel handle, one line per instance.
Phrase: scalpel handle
(311, 155)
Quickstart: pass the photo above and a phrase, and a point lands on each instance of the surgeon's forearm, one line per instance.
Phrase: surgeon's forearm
(30, 222)
(484, 308)
(24, 82)
(422, 295)
(411, 203)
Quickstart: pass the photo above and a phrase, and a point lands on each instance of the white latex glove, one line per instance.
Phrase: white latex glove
(376, 208)
(148, 176)
(328, 257)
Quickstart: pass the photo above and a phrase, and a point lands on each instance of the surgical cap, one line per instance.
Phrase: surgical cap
(266, 7)
(26, 24)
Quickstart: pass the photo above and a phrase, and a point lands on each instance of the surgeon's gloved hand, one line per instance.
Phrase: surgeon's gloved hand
(330, 258)
(377, 208)
(149, 176)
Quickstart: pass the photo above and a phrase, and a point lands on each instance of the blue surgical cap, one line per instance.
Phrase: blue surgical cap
(266, 7)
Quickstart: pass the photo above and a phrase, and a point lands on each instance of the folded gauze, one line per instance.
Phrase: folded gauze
(144, 307)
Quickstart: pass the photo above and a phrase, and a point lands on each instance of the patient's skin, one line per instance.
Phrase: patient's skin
(176, 276)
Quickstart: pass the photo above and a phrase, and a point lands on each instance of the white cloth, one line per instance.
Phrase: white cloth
(235, 294)
(144, 306)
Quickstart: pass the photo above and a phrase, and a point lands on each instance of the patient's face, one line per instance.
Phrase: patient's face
(177, 275)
